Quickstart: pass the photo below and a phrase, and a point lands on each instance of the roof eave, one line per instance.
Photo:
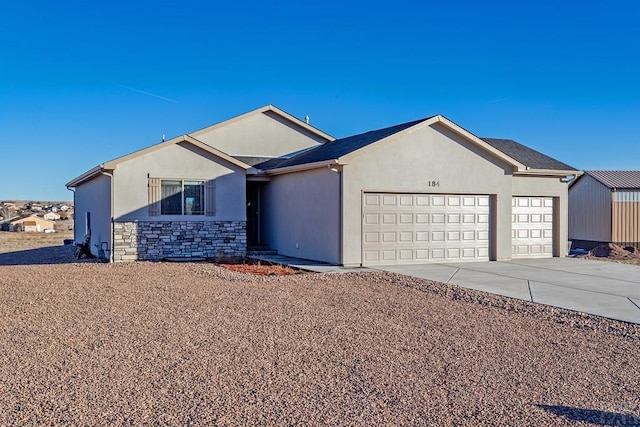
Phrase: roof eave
(87, 176)
(547, 172)
(304, 166)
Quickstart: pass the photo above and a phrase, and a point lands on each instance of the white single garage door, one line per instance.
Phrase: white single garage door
(421, 228)
(532, 229)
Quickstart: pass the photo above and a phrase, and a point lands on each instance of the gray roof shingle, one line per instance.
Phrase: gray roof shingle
(338, 148)
(617, 179)
(527, 156)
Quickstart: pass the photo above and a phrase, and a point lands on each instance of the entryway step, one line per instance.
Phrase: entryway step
(260, 250)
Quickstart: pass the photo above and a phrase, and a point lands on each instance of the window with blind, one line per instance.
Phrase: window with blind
(181, 197)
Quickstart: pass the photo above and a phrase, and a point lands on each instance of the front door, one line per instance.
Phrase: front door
(253, 214)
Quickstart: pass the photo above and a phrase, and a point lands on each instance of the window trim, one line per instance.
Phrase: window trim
(155, 196)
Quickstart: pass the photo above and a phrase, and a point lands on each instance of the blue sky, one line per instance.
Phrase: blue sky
(84, 82)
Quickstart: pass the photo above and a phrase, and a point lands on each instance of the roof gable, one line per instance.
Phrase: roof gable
(267, 109)
(267, 131)
(523, 159)
(112, 164)
(616, 179)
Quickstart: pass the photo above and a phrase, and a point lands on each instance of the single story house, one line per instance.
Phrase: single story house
(418, 192)
(604, 207)
(31, 224)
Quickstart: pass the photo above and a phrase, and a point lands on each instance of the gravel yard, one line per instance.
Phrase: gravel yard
(87, 343)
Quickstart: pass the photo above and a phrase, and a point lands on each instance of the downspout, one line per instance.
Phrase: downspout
(110, 249)
(341, 219)
(74, 213)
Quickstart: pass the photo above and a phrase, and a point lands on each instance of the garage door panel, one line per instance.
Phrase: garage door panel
(389, 218)
(422, 200)
(419, 228)
(372, 237)
(422, 236)
(422, 218)
(406, 218)
(406, 236)
(532, 227)
(438, 200)
(453, 200)
(371, 218)
(468, 253)
(468, 201)
(437, 218)
(389, 237)
(437, 236)
(406, 200)
(437, 254)
(453, 253)
(469, 235)
(389, 200)
(389, 255)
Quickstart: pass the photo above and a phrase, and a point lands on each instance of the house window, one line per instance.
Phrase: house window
(180, 197)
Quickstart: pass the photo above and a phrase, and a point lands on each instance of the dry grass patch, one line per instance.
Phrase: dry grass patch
(20, 241)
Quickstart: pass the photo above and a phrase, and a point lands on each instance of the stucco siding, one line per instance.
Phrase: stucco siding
(428, 160)
(178, 161)
(589, 211)
(301, 215)
(94, 196)
(265, 134)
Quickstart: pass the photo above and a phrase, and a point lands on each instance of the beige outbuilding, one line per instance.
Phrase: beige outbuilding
(604, 207)
(422, 191)
(32, 224)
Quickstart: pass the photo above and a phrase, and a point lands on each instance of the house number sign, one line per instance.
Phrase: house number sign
(433, 183)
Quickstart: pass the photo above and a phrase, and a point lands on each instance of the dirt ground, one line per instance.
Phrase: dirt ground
(615, 253)
(11, 242)
(86, 343)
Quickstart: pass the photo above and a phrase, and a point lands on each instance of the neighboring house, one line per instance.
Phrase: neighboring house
(604, 207)
(423, 191)
(51, 216)
(31, 224)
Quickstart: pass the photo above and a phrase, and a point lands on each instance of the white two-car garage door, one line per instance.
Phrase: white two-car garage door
(532, 227)
(421, 228)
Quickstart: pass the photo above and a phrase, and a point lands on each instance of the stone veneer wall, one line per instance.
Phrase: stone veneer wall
(155, 240)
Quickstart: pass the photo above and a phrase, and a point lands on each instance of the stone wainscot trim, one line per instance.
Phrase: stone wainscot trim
(157, 240)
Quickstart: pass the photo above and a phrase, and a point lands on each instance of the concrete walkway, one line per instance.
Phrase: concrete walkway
(304, 264)
(597, 287)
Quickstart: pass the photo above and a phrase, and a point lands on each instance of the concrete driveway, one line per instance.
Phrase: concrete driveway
(597, 287)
